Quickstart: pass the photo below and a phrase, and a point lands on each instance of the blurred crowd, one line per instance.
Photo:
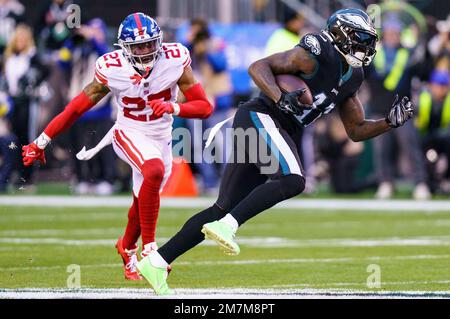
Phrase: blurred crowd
(44, 64)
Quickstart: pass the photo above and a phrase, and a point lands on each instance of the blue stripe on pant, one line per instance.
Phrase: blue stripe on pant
(262, 130)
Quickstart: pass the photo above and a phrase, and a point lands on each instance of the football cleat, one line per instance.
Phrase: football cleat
(223, 235)
(385, 191)
(129, 257)
(148, 248)
(156, 276)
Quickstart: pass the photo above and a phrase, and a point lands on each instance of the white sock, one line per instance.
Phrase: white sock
(231, 221)
(156, 260)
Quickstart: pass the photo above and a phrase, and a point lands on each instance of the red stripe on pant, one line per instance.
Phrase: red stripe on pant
(130, 143)
(125, 148)
(148, 198)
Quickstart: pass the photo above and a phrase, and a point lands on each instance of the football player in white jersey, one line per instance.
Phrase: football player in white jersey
(144, 76)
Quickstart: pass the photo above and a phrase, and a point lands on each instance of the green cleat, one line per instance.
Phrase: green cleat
(222, 234)
(156, 276)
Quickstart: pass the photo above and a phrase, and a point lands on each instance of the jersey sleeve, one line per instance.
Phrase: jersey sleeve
(101, 72)
(178, 53)
(319, 46)
(359, 79)
(110, 70)
(185, 56)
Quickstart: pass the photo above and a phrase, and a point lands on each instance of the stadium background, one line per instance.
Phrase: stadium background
(318, 242)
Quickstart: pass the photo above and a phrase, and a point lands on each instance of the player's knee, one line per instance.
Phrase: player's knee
(292, 185)
(153, 171)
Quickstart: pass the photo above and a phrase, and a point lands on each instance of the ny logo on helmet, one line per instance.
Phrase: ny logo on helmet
(139, 32)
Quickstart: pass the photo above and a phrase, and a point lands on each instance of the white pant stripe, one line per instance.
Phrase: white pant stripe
(279, 141)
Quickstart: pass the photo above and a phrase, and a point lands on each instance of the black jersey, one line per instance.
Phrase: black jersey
(328, 85)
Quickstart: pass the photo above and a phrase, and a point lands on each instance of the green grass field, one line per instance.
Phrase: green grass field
(280, 249)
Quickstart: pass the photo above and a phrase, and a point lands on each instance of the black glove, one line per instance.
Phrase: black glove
(289, 102)
(400, 112)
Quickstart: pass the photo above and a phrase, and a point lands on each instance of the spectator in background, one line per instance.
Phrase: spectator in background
(9, 151)
(79, 55)
(288, 36)
(210, 67)
(342, 156)
(51, 32)
(260, 10)
(11, 14)
(433, 119)
(24, 72)
(50, 27)
(439, 45)
(391, 74)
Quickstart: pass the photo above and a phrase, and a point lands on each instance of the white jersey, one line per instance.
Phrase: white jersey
(132, 92)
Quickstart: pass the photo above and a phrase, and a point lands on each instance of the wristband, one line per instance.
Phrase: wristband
(176, 108)
(42, 141)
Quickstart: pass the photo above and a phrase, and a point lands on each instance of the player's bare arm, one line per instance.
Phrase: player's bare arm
(187, 79)
(96, 91)
(359, 128)
(90, 96)
(197, 104)
(289, 62)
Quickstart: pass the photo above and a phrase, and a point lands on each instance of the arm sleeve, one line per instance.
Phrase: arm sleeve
(197, 105)
(79, 105)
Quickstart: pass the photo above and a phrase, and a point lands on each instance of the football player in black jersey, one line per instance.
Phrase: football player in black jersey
(330, 63)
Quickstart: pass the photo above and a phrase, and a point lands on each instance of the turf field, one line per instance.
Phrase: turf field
(285, 251)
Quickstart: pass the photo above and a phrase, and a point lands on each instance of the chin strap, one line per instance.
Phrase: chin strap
(351, 60)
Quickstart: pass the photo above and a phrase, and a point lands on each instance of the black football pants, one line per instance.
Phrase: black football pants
(249, 186)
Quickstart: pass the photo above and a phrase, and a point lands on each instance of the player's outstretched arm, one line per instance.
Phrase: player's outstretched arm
(90, 95)
(288, 62)
(197, 104)
(359, 129)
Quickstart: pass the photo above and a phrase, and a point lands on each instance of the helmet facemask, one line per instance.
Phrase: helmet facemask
(357, 47)
(142, 54)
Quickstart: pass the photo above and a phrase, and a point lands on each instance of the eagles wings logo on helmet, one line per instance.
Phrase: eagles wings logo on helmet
(140, 38)
(356, 21)
(313, 43)
(354, 36)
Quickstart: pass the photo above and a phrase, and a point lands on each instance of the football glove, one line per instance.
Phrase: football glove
(400, 112)
(161, 107)
(289, 102)
(32, 153)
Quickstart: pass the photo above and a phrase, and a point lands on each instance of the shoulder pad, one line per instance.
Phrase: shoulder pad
(176, 53)
(319, 45)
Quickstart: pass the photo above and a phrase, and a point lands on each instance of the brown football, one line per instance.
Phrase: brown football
(289, 83)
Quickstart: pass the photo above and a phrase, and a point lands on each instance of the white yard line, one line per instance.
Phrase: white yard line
(331, 204)
(217, 293)
(256, 242)
(247, 262)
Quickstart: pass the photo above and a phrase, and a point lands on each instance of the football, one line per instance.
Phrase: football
(289, 83)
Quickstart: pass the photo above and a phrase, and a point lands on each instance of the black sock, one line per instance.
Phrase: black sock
(267, 195)
(190, 234)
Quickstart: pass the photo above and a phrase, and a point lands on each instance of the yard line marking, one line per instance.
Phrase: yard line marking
(258, 242)
(64, 232)
(247, 262)
(307, 204)
(383, 283)
(222, 293)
